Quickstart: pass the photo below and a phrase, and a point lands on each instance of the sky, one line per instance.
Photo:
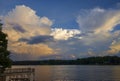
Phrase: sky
(61, 29)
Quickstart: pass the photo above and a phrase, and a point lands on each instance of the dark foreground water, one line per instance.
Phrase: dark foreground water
(76, 73)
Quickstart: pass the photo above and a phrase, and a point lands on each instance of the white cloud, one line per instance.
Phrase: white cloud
(22, 22)
(97, 24)
(65, 34)
(88, 20)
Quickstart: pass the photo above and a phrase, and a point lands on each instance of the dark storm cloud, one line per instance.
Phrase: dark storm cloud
(38, 39)
(18, 28)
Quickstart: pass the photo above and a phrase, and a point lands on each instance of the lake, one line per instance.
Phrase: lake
(75, 72)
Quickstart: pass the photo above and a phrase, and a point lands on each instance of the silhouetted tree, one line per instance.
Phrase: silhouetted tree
(5, 61)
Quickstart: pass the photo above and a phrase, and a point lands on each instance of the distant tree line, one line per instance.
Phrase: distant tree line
(106, 60)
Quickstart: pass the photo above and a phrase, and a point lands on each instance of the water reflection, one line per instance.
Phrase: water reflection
(72, 72)
(43, 73)
(116, 73)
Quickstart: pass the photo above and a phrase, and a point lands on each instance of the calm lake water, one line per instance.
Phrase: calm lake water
(75, 73)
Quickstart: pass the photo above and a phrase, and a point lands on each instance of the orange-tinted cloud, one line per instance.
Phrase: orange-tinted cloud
(23, 23)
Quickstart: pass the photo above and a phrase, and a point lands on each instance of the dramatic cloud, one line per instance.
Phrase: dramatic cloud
(98, 24)
(32, 36)
(97, 32)
(65, 34)
(22, 23)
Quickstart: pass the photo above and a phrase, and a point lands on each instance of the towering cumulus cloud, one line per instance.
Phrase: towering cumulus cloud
(23, 23)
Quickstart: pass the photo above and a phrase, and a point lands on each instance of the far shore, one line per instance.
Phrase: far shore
(106, 60)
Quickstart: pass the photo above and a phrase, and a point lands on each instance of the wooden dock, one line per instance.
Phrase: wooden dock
(19, 74)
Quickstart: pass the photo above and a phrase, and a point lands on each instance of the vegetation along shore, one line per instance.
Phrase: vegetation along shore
(105, 60)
